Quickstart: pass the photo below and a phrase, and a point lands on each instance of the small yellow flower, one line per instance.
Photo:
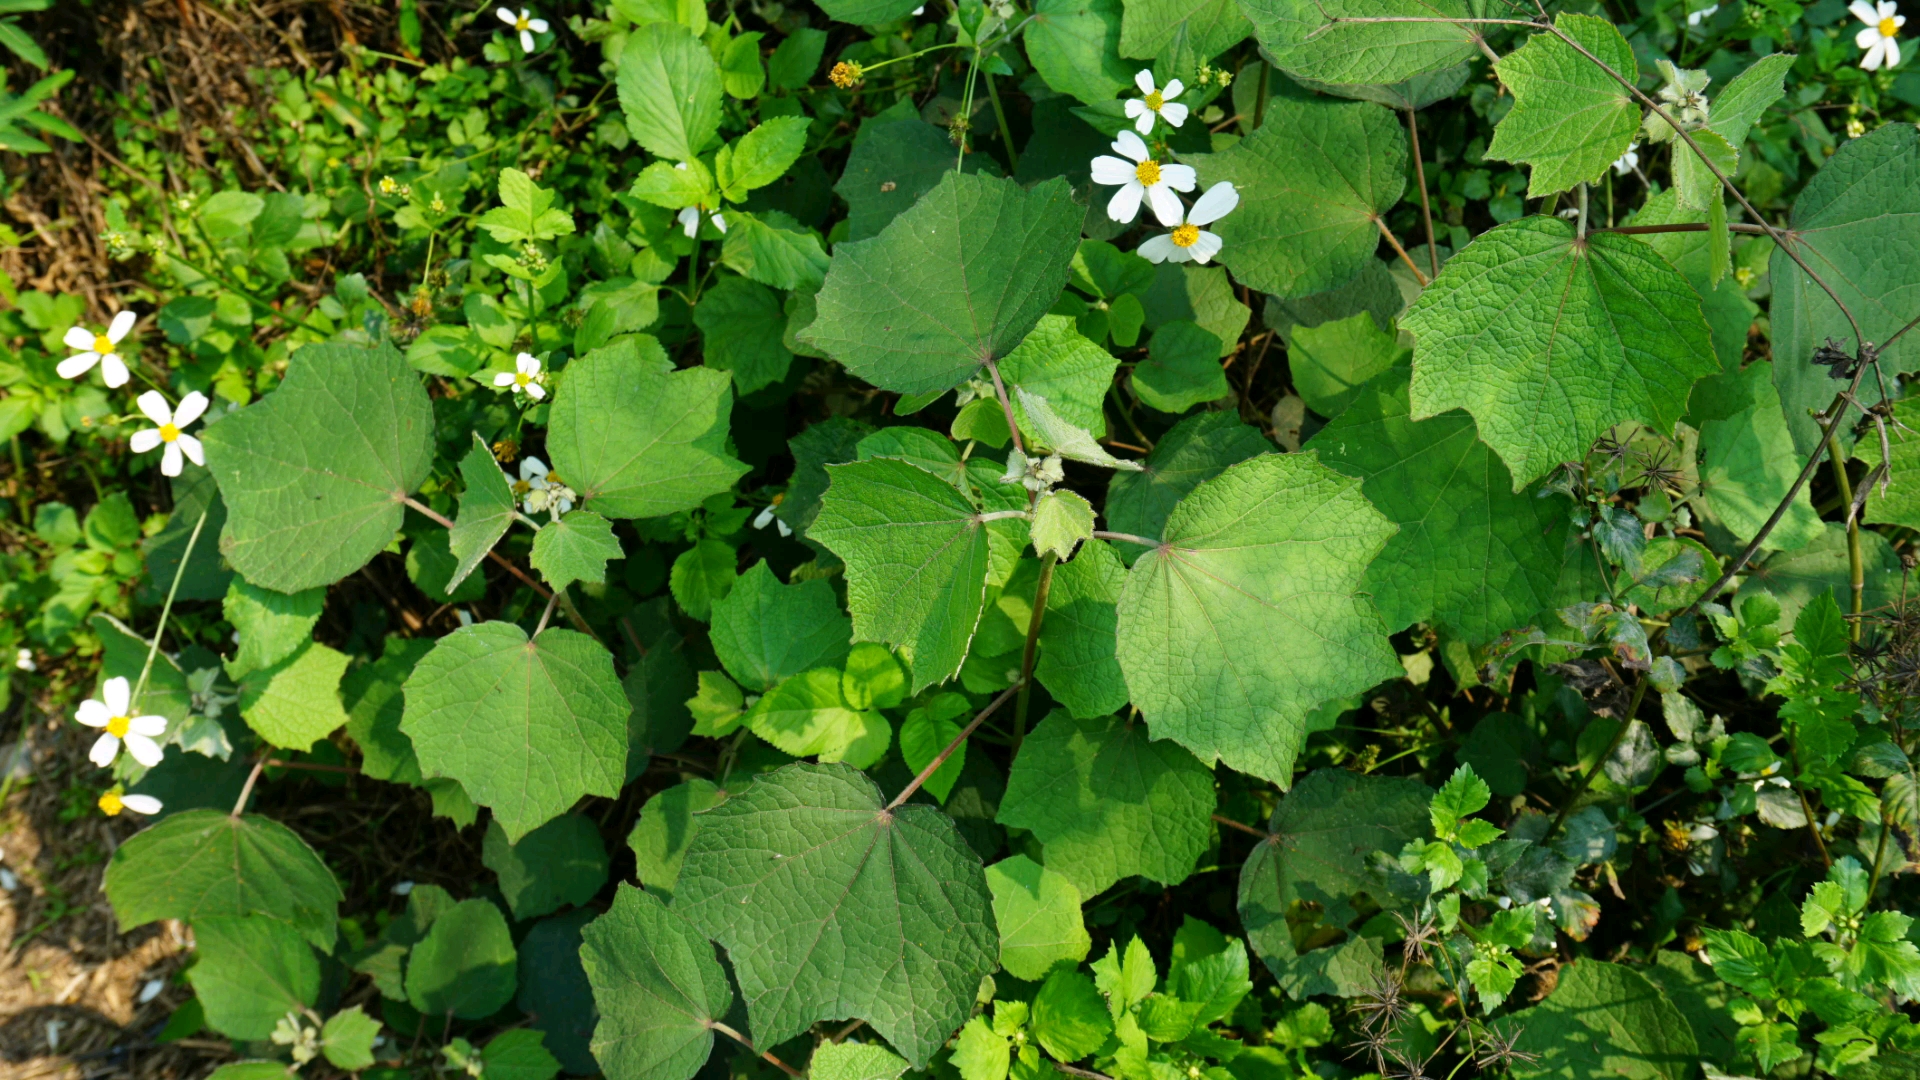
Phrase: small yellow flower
(846, 75)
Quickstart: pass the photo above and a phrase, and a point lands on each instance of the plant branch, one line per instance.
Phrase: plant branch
(1677, 227)
(1426, 208)
(1586, 781)
(1040, 591)
(941, 759)
(1248, 829)
(1002, 515)
(1402, 252)
(552, 602)
(441, 519)
(1006, 406)
(314, 766)
(1006, 133)
(166, 609)
(765, 1055)
(1102, 534)
(246, 789)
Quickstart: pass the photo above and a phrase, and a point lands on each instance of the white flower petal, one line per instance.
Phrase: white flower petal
(1868, 37)
(1864, 11)
(170, 460)
(113, 370)
(1219, 201)
(92, 713)
(538, 26)
(144, 750)
(1128, 145)
(1179, 177)
(1133, 107)
(1893, 53)
(532, 468)
(720, 221)
(1166, 205)
(105, 749)
(121, 326)
(151, 726)
(148, 805)
(536, 391)
(153, 404)
(1875, 56)
(506, 15)
(504, 378)
(1172, 89)
(1144, 125)
(78, 338)
(1144, 80)
(1157, 248)
(527, 364)
(526, 41)
(1125, 204)
(764, 518)
(1174, 113)
(75, 366)
(690, 221)
(191, 447)
(1180, 255)
(785, 529)
(144, 440)
(190, 409)
(1888, 8)
(1111, 170)
(1206, 247)
(117, 694)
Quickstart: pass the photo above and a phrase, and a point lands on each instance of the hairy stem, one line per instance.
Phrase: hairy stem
(1006, 405)
(941, 759)
(1040, 591)
(1006, 133)
(246, 789)
(1131, 538)
(1426, 208)
(1248, 829)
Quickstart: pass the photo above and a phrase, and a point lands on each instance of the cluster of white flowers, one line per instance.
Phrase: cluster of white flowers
(541, 490)
(111, 711)
(1143, 178)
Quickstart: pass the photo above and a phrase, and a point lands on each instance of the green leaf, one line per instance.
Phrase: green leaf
(1494, 974)
(296, 703)
(702, 575)
(372, 695)
(518, 1055)
(669, 90)
(1694, 185)
(929, 729)
(1462, 795)
(560, 863)
(741, 72)
(1471, 555)
(831, 907)
(916, 556)
(1738, 107)
(465, 966)
(1222, 650)
(575, 548)
(227, 214)
(772, 249)
(1549, 342)
(22, 45)
(1069, 1017)
(526, 727)
(271, 625)
(718, 707)
(1305, 39)
(893, 164)
(797, 57)
(1075, 46)
(526, 212)
(637, 438)
(313, 475)
(1329, 362)
(855, 1061)
(250, 972)
(1181, 33)
(1312, 178)
(1570, 119)
(486, 510)
(1182, 369)
(676, 185)
(1748, 463)
(1605, 1020)
(867, 12)
(203, 864)
(667, 825)
(954, 282)
(1061, 521)
(347, 1039)
(1795, 578)
(1038, 912)
(741, 326)
(1070, 372)
(806, 716)
(764, 631)
(206, 576)
(1865, 199)
(981, 1053)
(1108, 803)
(1077, 664)
(1728, 311)
(762, 155)
(1197, 449)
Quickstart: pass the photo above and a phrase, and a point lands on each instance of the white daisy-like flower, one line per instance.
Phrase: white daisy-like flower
(115, 801)
(1141, 177)
(542, 490)
(24, 660)
(1877, 37)
(168, 433)
(99, 349)
(767, 517)
(110, 712)
(1188, 241)
(690, 219)
(1160, 103)
(525, 23)
(1628, 161)
(525, 378)
(1695, 18)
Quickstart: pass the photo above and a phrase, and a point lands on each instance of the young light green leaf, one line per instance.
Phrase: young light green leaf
(929, 729)
(1694, 184)
(1182, 369)
(1077, 664)
(718, 706)
(1063, 437)
(296, 702)
(954, 282)
(1570, 118)
(806, 716)
(1313, 178)
(519, 1054)
(1109, 803)
(486, 511)
(346, 1039)
(701, 576)
(637, 438)
(526, 212)
(526, 726)
(1075, 46)
(667, 824)
(560, 863)
(205, 864)
(1549, 342)
(271, 625)
(1070, 372)
(1182, 34)
(1038, 912)
(981, 1053)
(1748, 463)
(1223, 648)
(675, 185)
(764, 631)
(762, 156)
(916, 555)
(1740, 105)
(1306, 38)
(773, 249)
(575, 548)
(669, 90)
(313, 474)
(855, 1061)
(466, 964)
(1062, 520)
(1330, 362)
(1462, 795)
(831, 907)
(1069, 1017)
(250, 972)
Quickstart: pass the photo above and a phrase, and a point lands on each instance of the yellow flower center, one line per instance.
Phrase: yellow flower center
(111, 804)
(169, 432)
(1186, 236)
(1889, 28)
(553, 480)
(117, 727)
(522, 379)
(521, 487)
(1155, 100)
(1147, 172)
(102, 344)
(520, 23)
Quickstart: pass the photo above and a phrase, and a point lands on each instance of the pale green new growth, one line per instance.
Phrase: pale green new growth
(764, 631)
(1038, 911)
(296, 703)
(1061, 521)
(575, 548)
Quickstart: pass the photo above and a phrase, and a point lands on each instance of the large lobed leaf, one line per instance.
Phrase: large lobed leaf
(1570, 119)
(658, 986)
(1307, 38)
(1605, 1020)
(201, 864)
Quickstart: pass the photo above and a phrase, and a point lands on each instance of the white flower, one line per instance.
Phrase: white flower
(766, 517)
(114, 801)
(1188, 241)
(98, 349)
(24, 660)
(1883, 25)
(1695, 18)
(1628, 161)
(541, 490)
(690, 220)
(170, 421)
(525, 378)
(1141, 177)
(152, 990)
(110, 712)
(525, 23)
(1142, 110)
(402, 888)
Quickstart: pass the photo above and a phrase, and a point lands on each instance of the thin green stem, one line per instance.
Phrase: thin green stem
(1856, 569)
(166, 609)
(1006, 133)
(1040, 591)
(1586, 781)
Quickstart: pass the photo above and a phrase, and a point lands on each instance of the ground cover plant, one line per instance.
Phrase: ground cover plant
(1126, 539)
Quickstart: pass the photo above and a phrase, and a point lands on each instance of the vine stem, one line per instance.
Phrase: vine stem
(1426, 208)
(765, 1055)
(246, 789)
(166, 609)
(1586, 781)
(1243, 827)
(1006, 406)
(1677, 227)
(1006, 133)
(1131, 538)
(1040, 591)
(1402, 252)
(934, 765)
(566, 604)
(552, 602)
